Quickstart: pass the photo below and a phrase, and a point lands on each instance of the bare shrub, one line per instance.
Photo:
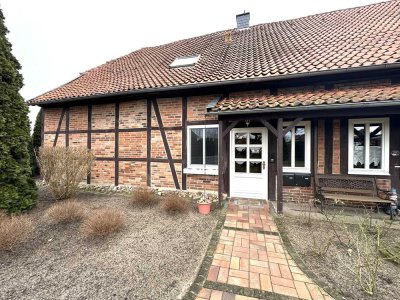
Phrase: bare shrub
(103, 222)
(64, 168)
(65, 212)
(144, 196)
(321, 248)
(174, 204)
(14, 231)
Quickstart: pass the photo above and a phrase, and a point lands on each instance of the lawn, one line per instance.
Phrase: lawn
(335, 267)
(155, 256)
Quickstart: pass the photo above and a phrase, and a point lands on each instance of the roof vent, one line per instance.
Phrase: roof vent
(185, 61)
(243, 20)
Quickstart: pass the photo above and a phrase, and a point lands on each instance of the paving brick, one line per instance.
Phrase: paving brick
(238, 281)
(220, 263)
(244, 264)
(282, 281)
(254, 280)
(260, 270)
(216, 295)
(204, 293)
(285, 272)
(302, 290)
(235, 263)
(265, 281)
(222, 275)
(284, 290)
(315, 291)
(213, 273)
(239, 274)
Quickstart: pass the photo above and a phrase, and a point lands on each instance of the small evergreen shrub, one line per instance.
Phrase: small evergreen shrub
(14, 231)
(103, 222)
(65, 212)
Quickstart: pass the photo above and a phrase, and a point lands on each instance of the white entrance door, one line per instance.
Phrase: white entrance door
(248, 163)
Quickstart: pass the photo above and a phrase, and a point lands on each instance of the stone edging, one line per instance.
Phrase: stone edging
(297, 258)
(202, 274)
(243, 291)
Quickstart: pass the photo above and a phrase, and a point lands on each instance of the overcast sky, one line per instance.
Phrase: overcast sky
(55, 40)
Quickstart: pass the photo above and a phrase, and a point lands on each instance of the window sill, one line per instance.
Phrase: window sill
(368, 172)
(200, 171)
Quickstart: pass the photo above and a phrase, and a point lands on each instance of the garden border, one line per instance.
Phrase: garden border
(297, 258)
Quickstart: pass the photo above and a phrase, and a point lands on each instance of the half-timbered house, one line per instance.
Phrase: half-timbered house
(256, 111)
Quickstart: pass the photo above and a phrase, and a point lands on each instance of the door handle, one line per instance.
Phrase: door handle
(397, 167)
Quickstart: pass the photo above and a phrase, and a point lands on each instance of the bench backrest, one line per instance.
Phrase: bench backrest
(346, 184)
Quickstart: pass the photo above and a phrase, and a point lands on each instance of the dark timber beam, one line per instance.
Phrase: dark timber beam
(184, 141)
(148, 142)
(279, 166)
(290, 127)
(59, 126)
(229, 128)
(116, 140)
(269, 126)
(89, 136)
(165, 141)
(67, 127)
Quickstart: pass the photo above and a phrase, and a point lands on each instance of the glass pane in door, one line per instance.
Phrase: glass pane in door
(255, 152)
(299, 146)
(240, 152)
(240, 166)
(255, 167)
(255, 138)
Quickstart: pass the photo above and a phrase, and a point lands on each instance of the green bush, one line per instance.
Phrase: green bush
(36, 143)
(17, 188)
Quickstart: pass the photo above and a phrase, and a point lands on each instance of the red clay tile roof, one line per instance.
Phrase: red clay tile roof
(359, 92)
(349, 38)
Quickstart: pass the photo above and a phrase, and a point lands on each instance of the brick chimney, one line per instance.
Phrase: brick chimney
(243, 20)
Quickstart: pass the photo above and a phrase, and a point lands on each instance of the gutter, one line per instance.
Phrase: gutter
(377, 103)
(225, 83)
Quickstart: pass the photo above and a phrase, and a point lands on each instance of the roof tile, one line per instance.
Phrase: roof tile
(355, 37)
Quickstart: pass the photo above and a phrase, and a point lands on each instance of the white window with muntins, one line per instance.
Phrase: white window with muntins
(297, 148)
(369, 146)
(202, 150)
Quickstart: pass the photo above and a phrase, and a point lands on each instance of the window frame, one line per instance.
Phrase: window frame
(200, 168)
(307, 150)
(385, 146)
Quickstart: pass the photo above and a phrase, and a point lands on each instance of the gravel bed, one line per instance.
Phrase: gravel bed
(335, 267)
(155, 257)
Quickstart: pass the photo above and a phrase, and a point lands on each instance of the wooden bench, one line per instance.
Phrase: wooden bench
(361, 190)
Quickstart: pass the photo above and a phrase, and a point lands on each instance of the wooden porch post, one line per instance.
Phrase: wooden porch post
(279, 165)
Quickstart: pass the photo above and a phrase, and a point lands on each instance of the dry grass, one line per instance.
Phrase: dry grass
(65, 212)
(14, 231)
(144, 197)
(174, 204)
(103, 222)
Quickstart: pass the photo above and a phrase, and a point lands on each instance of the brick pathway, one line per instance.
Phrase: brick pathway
(250, 255)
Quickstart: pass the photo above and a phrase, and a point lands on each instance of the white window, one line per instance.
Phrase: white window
(202, 146)
(185, 61)
(296, 148)
(369, 146)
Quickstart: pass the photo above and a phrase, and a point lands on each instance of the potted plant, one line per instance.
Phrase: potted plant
(204, 206)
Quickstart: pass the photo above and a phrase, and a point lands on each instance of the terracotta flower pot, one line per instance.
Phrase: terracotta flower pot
(204, 208)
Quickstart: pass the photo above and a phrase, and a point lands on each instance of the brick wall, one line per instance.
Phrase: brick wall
(133, 114)
(133, 144)
(52, 118)
(78, 118)
(298, 194)
(201, 182)
(133, 173)
(196, 108)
